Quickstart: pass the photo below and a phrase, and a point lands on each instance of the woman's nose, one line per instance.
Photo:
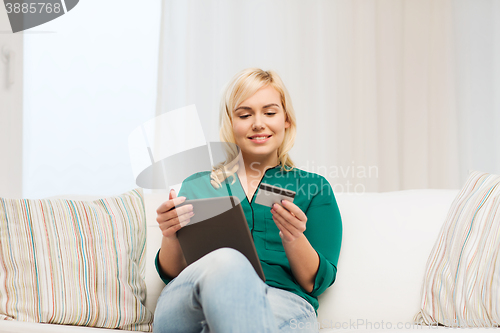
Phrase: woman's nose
(258, 122)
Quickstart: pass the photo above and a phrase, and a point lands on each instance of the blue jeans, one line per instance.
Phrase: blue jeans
(221, 292)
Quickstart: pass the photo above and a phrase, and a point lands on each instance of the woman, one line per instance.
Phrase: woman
(298, 243)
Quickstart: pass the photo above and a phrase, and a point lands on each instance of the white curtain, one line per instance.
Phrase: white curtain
(389, 94)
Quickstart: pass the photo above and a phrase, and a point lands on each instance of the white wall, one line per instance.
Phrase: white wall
(11, 109)
(90, 78)
(478, 84)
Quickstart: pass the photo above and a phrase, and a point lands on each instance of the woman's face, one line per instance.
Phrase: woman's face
(259, 125)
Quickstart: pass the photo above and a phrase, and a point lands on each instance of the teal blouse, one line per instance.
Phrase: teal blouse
(314, 196)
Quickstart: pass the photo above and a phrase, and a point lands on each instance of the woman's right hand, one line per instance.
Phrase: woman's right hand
(171, 219)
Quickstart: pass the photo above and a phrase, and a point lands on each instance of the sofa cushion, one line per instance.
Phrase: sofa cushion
(74, 262)
(386, 241)
(461, 286)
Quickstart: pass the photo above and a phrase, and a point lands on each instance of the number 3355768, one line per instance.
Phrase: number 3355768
(33, 8)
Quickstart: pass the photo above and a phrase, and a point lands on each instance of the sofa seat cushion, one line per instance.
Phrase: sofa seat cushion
(14, 326)
(416, 329)
(386, 241)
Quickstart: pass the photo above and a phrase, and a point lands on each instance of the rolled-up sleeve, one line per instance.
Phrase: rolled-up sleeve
(162, 275)
(324, 232)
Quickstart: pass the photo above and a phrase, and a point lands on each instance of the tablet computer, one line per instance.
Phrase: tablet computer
(217, 222)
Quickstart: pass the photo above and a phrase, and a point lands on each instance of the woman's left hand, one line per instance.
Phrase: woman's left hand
(290, 220)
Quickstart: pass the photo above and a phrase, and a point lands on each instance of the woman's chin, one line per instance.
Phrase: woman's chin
(259, 153)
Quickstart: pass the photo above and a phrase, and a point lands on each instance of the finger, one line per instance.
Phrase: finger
(286, 226)
(279, 225)
(295, 226)
(286, 215)
(294, 210)
(172, 230)
(172, 194)
(175, 216)
(175, 212)
(184, 219)
(177, 222)
(283, 230)
(168, 205)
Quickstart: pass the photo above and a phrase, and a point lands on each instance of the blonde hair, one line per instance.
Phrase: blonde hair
(242, 86)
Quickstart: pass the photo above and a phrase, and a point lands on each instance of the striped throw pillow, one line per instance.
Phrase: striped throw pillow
(462, 282)
(74, 262)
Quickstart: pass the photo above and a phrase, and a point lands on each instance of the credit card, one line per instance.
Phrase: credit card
(269, 195)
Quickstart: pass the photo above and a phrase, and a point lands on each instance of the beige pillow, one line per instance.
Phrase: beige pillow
(74, 262)
(461, 285)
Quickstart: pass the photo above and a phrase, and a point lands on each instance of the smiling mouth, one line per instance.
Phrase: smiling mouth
(260, 137)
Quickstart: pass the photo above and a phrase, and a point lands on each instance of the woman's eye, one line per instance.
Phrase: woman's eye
(247, 115)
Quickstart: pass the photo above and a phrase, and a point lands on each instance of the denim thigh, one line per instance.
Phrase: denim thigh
(292, 312)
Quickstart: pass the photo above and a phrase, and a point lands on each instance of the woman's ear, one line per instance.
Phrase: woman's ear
(287, 124)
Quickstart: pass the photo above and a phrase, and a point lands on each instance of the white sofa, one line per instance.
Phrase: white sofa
(387, 238)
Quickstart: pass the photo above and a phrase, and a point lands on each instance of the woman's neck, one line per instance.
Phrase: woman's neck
(255, 169)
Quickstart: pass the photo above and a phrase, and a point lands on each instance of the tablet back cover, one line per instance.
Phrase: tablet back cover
(209, 230)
